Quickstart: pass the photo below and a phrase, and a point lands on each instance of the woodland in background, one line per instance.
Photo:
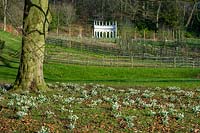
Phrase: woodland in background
(142, 15)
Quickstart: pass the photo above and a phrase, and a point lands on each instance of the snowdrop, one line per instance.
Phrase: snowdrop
(133, 91)
(41, 98)
(49, 114)
(72, 119)
(189, 94)
(94, 92)
(116, 106)
(44, 130)
(111, 89)
(117, 114)
(174, 88)
(179, 116)
(148, 94)
(129, 120)
(21, 114)
(151, 113)
(85, 94)
(107, 99)
(69, 100)
(127, 101)
(196, 109)
(165, 117)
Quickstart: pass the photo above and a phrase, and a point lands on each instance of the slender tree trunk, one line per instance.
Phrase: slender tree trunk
(58, 18)
(35, 25)
(184, 11)
(5, 3)
(121, 10)
(191, 14)
(157, 16)
(58, 24)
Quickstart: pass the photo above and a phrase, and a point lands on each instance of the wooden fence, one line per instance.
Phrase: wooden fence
(123, 61)
(114, 57)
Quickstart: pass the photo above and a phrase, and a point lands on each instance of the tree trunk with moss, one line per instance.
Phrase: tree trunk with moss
(35, 25)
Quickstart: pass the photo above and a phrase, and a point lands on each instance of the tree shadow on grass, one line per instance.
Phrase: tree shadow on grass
(6, 63)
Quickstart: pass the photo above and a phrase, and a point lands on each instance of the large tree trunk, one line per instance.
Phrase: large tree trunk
(35, 25)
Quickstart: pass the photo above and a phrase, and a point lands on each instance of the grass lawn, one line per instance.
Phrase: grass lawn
(113, 76)
(184, 77)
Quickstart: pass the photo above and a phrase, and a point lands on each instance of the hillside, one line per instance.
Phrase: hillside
(56, 71)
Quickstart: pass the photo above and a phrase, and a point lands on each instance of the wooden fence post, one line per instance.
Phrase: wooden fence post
(103, 61)
(174, 62)
(132, 61)
(193, 64)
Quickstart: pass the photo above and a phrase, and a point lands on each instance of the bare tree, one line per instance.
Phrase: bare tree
(15, 12)
(69, 13)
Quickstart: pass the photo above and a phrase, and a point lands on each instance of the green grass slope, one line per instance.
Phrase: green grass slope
(57, 72)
